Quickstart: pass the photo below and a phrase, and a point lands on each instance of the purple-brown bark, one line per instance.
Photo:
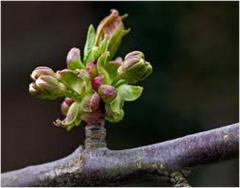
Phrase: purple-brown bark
(92, 167)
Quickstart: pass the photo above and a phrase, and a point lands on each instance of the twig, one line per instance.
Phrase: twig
(94, 167)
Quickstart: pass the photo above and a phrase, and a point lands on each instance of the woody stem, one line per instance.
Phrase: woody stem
(95, 136)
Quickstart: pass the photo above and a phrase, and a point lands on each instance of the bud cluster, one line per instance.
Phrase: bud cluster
(95, 86)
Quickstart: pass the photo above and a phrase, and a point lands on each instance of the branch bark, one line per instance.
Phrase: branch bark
(95, 167)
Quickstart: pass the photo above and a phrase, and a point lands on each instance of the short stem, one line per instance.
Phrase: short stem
(95, 136)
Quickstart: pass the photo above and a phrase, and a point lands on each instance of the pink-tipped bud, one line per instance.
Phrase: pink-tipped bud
(97, 82)
(107, 93)
(65, 105)
(91, 102)
(118, 61)
(39, 71)
(95, 102)
(92, 68)
(74, 59)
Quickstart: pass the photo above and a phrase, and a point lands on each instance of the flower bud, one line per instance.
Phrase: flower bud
(118, 61)
(107, 93)
(47, 87)
(112, 29)
(134, 68)
(37, 92)
(33, 89)
(65, 105)
(95, 102)
(39, 71)
(97, 82)
(92, 68)
(90, 103)
(74, 59)
(113, 65)
(134, 54)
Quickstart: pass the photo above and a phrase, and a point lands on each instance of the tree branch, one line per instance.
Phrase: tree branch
(94, 167)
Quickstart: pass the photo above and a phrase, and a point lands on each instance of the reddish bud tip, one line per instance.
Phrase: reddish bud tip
(97, 82)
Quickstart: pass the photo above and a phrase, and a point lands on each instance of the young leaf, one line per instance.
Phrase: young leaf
(102, 60)
(115, 116)
(103, 46)
(116, 40)
(72, 81)
(129, 92)
(72, 113)
(71, 119)
(97, 51)
(89, 42)
(112, 67)
(114, 111)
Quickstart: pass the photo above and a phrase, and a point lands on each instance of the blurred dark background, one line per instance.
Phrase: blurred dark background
(193, 47)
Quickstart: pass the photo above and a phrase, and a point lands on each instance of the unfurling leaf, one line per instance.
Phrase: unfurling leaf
(73, 81)
(130, 92)
(112, 29)
(114, 111)
(71, 119)
(101, 67)
(89, 43)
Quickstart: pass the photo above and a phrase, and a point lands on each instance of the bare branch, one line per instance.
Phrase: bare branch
(109, 167)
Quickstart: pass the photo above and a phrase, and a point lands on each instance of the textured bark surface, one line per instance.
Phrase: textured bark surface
(99, 167)
(95, 136)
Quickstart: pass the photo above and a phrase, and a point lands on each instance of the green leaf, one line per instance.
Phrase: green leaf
(114, 111)
(129, 92)
(116, 117)
(116, 40)
(118, 83)
(97, 51)
(72, 113)
(72, 81)
(102, 48)
(111, 68)
(101, 67)
(72, 118)
(85, 103)
(89, 42)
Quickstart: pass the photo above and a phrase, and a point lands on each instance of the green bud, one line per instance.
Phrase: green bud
(107, 93)
(33, 89)
(134, 68)
(39, 71)
(47, 87)
(74, 59)
(37, 92)
(50, 84)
